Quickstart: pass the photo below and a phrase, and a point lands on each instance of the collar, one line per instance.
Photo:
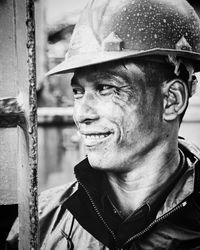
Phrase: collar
(90, 188)
(184, 186)
(181, 185)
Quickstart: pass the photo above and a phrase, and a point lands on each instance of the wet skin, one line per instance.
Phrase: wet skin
(118, 115)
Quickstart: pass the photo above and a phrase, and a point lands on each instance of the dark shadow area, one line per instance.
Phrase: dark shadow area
(8, 213)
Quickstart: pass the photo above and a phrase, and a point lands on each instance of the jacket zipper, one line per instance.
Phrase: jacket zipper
(141, 232)
(156, 222)
(98, 212)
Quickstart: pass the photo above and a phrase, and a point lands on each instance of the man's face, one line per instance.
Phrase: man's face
(118, 116)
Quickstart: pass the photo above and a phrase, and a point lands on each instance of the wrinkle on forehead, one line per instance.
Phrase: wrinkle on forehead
(128, 72)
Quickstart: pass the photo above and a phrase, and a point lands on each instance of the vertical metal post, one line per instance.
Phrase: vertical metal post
(33, 142)
(18, 117)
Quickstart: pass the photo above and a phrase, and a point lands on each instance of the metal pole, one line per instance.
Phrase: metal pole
(32, 124)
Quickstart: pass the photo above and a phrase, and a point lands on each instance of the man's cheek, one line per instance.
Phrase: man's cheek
(122, 107)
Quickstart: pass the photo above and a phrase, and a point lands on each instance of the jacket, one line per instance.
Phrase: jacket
(71, 217)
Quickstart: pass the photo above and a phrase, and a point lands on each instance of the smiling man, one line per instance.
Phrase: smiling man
(115, 111)
(138, 188)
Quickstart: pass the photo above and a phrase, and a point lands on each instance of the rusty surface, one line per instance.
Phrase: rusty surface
(11, 113)
(32, 122)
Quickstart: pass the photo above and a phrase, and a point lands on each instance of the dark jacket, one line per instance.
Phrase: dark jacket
(73, 218)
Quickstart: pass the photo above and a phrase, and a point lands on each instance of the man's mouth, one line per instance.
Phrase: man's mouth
(91, 139)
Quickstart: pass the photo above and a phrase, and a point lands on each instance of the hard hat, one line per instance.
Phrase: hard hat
(114, 29)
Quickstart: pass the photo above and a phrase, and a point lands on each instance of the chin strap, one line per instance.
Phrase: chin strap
(183, 44)
(192, 80)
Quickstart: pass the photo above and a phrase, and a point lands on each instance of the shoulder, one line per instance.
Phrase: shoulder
(54, 197)
(189, 148)
(193, 153)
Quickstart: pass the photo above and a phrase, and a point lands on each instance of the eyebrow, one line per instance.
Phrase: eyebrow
(98, 77)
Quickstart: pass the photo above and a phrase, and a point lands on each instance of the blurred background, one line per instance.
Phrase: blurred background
(60, 146)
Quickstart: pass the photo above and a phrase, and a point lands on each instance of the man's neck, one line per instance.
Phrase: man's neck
(128, 191)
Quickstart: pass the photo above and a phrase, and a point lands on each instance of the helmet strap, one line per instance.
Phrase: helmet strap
(192, 80)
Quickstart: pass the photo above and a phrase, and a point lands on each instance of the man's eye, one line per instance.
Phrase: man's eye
(78, 93)
(106, 89)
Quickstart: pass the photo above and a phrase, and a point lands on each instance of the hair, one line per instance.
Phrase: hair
(157, 73)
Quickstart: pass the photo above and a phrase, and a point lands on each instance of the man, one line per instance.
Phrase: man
(138, 188)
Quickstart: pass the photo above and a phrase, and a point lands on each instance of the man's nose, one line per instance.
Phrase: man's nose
(86, 110)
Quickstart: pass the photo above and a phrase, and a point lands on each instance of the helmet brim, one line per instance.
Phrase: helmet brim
(78, 61)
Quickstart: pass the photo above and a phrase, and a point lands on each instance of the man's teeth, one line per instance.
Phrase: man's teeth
(96, 136)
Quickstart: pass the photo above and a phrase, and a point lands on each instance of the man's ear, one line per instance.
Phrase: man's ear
(175, 99)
